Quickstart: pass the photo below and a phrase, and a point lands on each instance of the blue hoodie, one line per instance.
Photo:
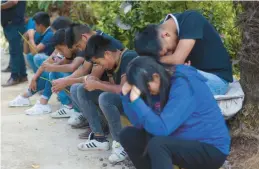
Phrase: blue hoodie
(191, 112)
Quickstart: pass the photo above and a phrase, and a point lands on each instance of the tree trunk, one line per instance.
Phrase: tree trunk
(248, 118)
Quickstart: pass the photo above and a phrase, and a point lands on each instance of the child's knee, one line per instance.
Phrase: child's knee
(107, 99)
(39, 59)
(29, 57)
(73, 89)
(155, 144)
(54, 75)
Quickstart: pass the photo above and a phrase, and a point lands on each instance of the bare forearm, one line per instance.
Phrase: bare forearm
(8, 4)
(71, 81)
(78, 73)
(33, 47)
(97, 71)
(38, 73)
(107, 87)
(181, 53)
(171, 59)
(64, 68)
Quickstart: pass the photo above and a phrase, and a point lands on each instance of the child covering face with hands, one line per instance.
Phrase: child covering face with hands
(178, 113)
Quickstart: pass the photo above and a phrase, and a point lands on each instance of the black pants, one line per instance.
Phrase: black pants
(164, 151)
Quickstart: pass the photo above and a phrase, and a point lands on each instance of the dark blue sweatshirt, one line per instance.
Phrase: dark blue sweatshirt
(191, 112)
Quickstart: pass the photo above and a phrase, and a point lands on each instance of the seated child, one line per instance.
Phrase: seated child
(103, 51)
(42, 49)
(175, 118)
(41, 81)
(30, 24)
(189, 37)
(77, 36)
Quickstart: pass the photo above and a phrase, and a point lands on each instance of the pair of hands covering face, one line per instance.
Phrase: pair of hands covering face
(133, 90)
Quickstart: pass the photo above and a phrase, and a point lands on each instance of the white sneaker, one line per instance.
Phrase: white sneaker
(38, 109)
(20, 101)
(92, 144)
(118, 153)
(76, 119)
(64, 112)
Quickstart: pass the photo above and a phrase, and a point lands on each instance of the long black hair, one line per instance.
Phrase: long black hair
(140, 72)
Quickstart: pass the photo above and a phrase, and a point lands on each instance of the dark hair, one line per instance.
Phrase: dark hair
(97, 45)
(61, 22)
(140, 71)
(42, 18)
(74, 33)
(147, 42)
(58, 38)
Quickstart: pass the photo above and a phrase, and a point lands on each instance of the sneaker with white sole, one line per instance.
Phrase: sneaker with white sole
(20, 101)
(118, 153)
(76, 119)
(39, 109)
(64, 112)
(94, 143)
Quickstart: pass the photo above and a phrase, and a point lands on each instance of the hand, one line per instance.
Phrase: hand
(134, 94)
(31, 33)
(59, 84)
(33, 85)
(91, 78)
(188, 63)
(48, 67)
(56, 59)
(126, 88)
(164, 59)
(91, 84)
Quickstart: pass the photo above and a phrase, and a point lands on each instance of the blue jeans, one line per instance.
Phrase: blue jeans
(217, 85)
(42, 84)
(63, 96)
(18, 68)
(36, 60)
(46, 86)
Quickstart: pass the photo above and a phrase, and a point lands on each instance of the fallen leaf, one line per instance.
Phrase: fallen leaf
(35, 166)
(52, 123)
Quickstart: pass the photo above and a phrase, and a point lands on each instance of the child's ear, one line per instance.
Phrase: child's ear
(107, 55)
(165, 34)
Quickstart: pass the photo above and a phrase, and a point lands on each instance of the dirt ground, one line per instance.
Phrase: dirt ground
(31, 142)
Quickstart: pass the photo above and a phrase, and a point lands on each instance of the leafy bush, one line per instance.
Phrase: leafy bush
(103, 15)
(221, 14)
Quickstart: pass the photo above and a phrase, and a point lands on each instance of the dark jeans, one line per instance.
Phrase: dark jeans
(110, 104)
(87, 103)
(17, 61)
(164, 151)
